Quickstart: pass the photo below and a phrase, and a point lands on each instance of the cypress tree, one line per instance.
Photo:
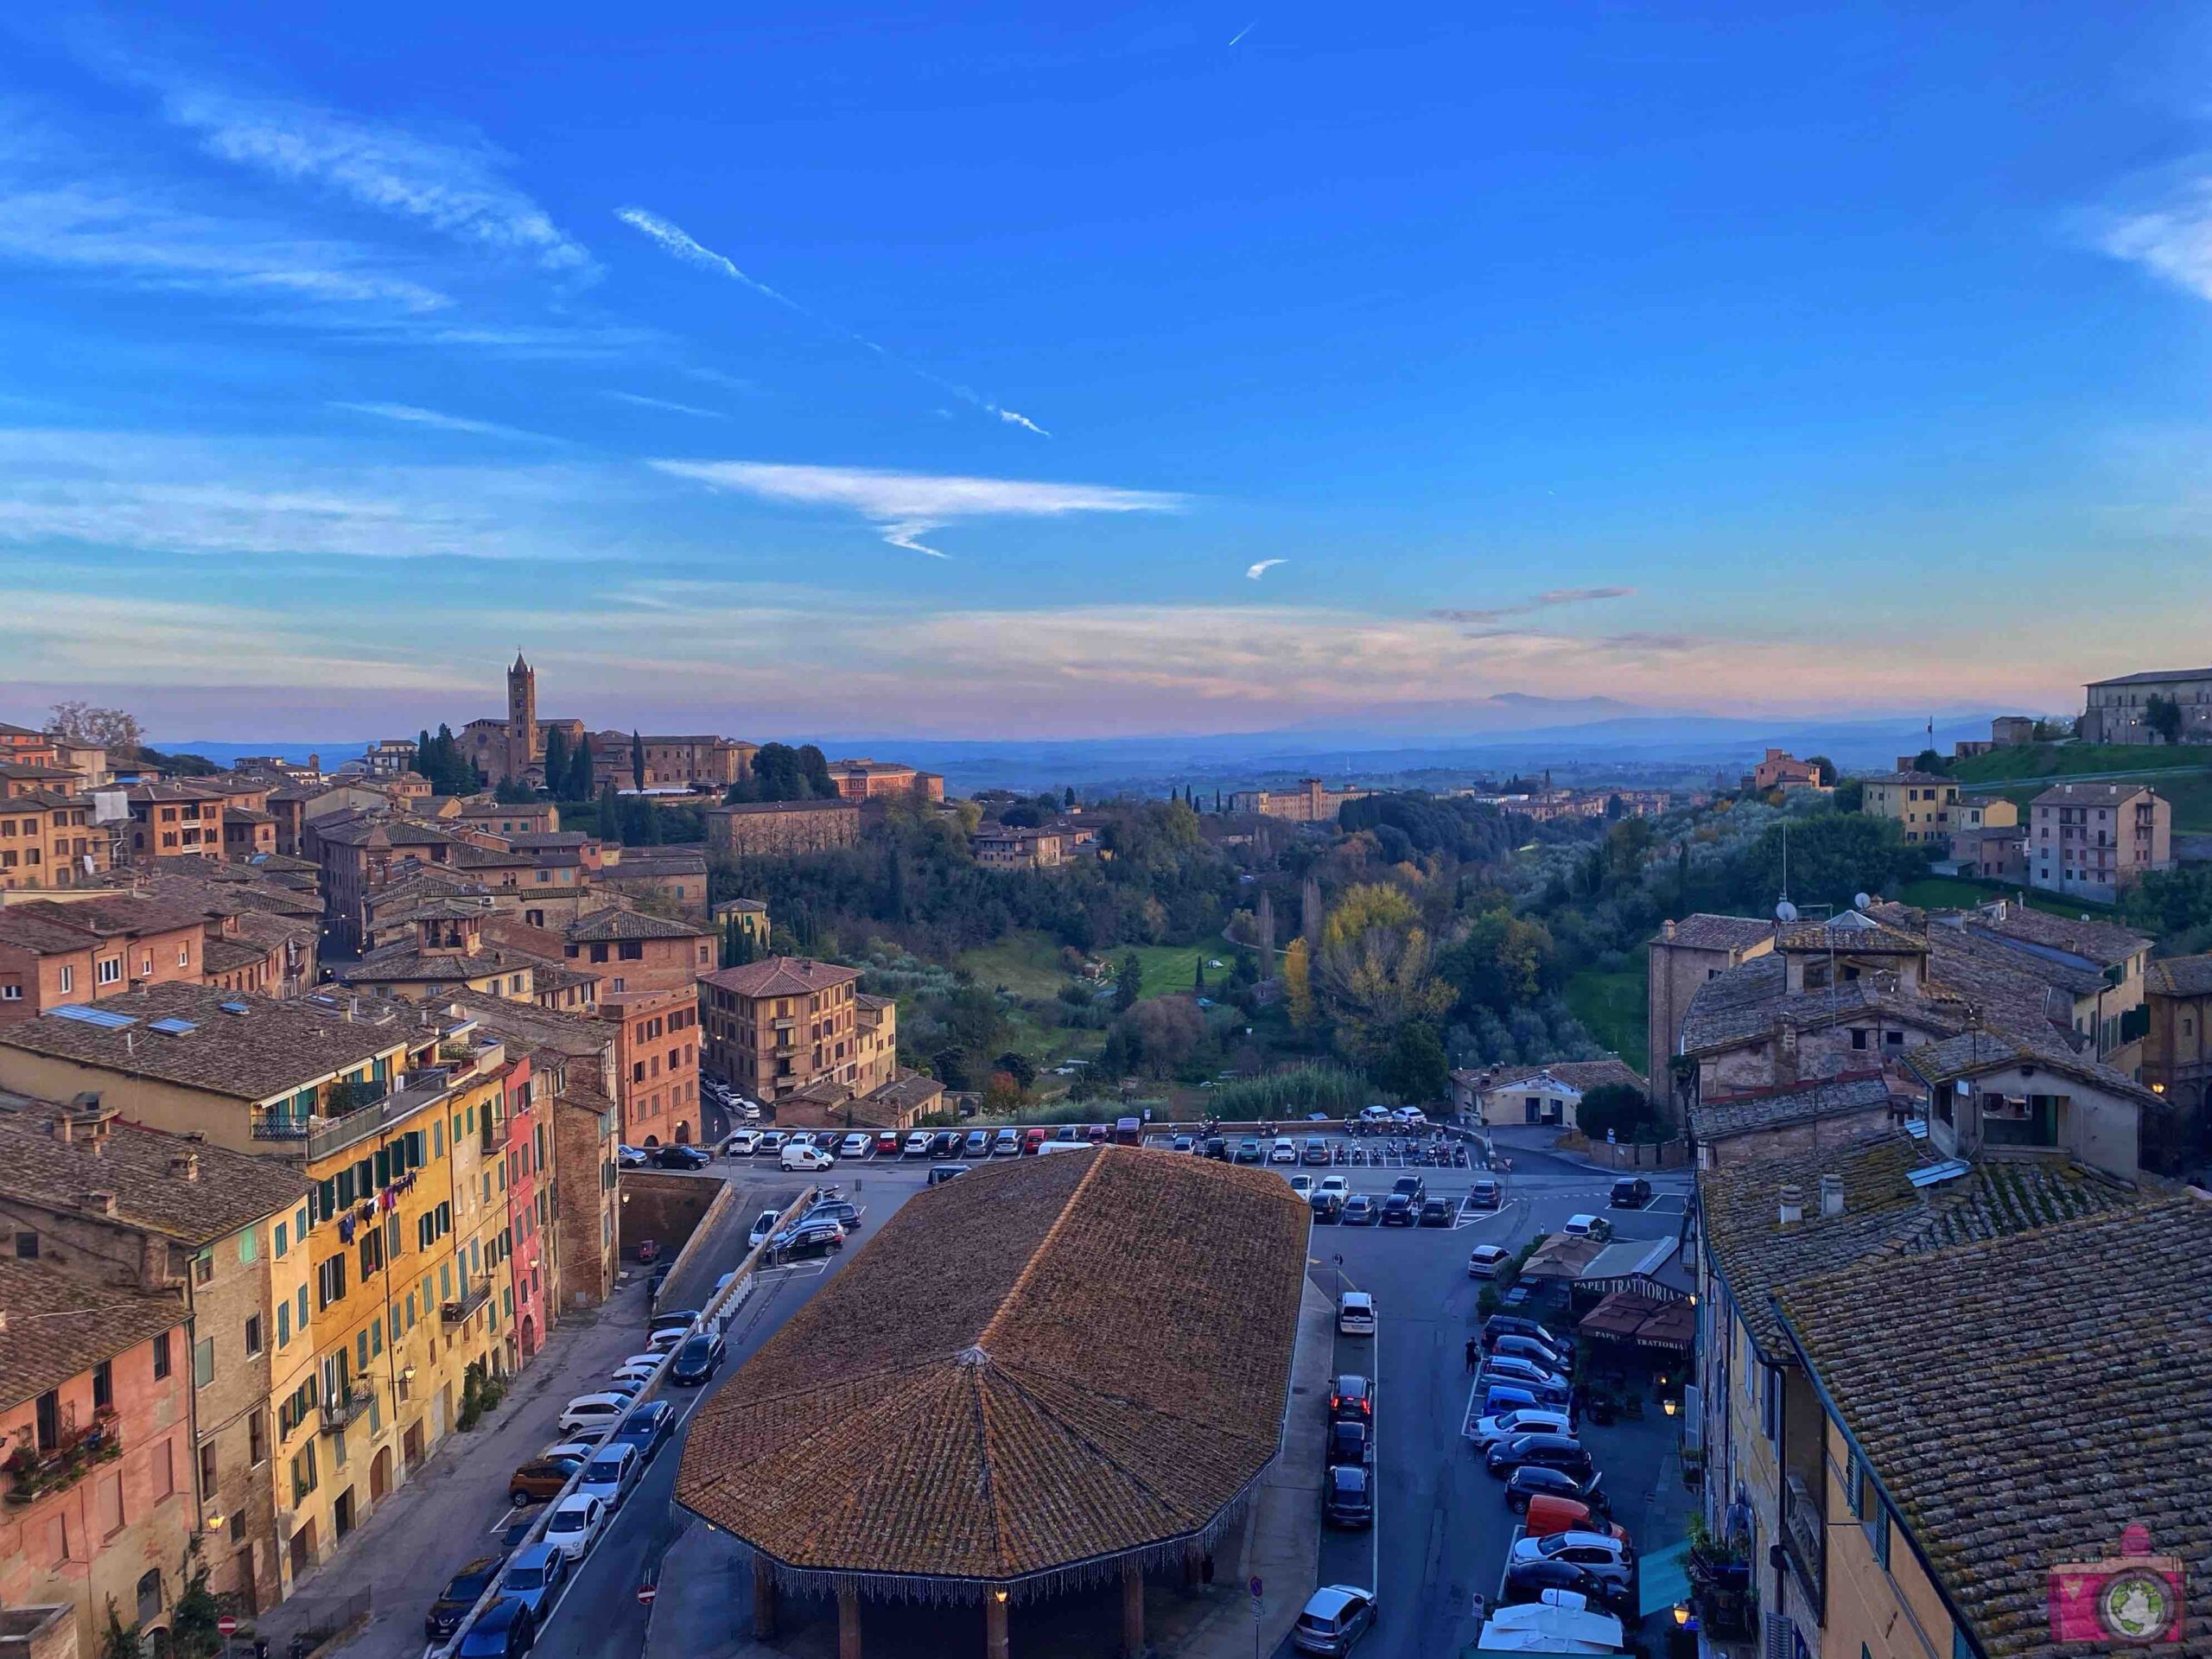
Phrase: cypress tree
(556, 761)
(637, 761)
(580, 771)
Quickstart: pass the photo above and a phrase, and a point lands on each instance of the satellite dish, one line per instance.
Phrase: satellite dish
(1785, 911)
(1861, 902)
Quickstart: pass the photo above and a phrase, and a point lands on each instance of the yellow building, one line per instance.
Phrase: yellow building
(1925, 805)
(1987, 812)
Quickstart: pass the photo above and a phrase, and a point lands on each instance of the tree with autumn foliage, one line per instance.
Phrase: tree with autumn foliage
(1375, 969)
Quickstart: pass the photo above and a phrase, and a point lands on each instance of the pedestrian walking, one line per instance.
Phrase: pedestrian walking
(1474, 1349)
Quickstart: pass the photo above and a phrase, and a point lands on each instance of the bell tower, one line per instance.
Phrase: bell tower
(522, 717)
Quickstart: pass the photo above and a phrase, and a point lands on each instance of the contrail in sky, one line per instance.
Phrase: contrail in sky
(674, 239)
(1243, 32)
(1262, 568)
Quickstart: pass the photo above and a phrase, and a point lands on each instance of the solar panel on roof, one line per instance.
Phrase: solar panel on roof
(173, 1028)
(234, 1007)
(1916, 1127)
(1935, 1175)
(78, 1012)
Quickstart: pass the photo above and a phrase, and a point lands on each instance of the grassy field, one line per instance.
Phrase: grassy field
(1614, 1008)
(1028, 963)
(1170, 968)
(2072, 760)
(1956, 892)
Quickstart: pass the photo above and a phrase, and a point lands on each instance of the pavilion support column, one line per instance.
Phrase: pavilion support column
(995, 1624)
(764, 1600)
(1132, 1611)
(849, 1624)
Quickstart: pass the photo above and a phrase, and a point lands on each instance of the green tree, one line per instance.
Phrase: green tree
(1067, 797)
(637, 761)
(1199, 973)
(1375, 970)
(582, 772)
(1128, 982)
(1619, 1107)
(121, 1641)
(814, 768)
(950, 1065)
(557, 761)
(193, 1632)
(1298, 986)
(1418, 1071)
(1503, 961)
(2162, 714)
(1020, 1067)
(1929, 760)
(1823, 769)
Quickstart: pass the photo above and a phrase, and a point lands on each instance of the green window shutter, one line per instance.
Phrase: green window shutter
(249, 1244)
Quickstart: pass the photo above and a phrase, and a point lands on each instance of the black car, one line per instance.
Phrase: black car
(1561, 1451)
(1328, 1206)
(1218, 1149)
(656, 1280)
(944, 1144)
(647, 1428)
(1398, 1210)
(1436, 1212)
(945, 1172)
(837, 1210)
(1350, 1443)
(1528, 1580)
(1484, 1194)
(1534, 1480)
(466, 1589)
(806, 1240)
(699, 1358)
(1348, 1496)
(681, 1157)
(508, 1630)
(1411, 1186)
(1631, 1192)
(1507, 1324)
(1351, 1399)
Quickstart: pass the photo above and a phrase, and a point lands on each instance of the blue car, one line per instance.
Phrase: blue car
(534, 1578)
(507, 1631)
(647, 1428)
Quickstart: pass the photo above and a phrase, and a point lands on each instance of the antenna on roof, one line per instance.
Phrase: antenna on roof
(1785, 911)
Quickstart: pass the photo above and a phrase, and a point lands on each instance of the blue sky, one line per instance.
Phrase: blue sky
(788, 371)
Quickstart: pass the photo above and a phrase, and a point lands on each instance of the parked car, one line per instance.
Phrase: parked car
(1328, 1206)
(1484, 1260)
(1216, 1148)
(1315, 1151)
(1032, 1141)
(540, 1480)
(1410, 1186)
(647, 1428)
(1540, 1354)
(1631, 1192)
(668, 1341)
(1598, 1549)
(1360, 1210)
(696, 1361)
(806, 1158)
(1302, 1186)
(806, 1240)
(1484, 1193)
(944, 1172)
(1560, 1451)
(979, 1144)
(629, 1158)
(1529, 1419)
(740, 1143)
(1436, 1212)
(1532, 1481)
(1398, 1210)
(1334, 1618)
(609, 1475)
(574, 1526)
(636, 1371)
(1531, 1580)
(1338, 1184)
(1554, 1393)
(1507, 1369)
(507, 1631)
(1351, 1399)
(1547, 1513)
(854, 1145)
(593, 1413)
(1283, 1152)
(945, 1143)
(580, 1449)
(1377, 1115)
(916, 1146)
(1184, 1143)
(763, 1224)
(1007, 1143)
(1094, 1133)
(887, 1143)
(1411, 1117)
(683, 1157)
(1356, 1314)
(463, 1592)
(1248, 1152)
(845, 1213)
(770, 1144)
(534, 1578)
(1348, 1496)
(1595, 1227)
(1509, 1325)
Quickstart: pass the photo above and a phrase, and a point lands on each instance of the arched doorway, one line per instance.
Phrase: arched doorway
(529, 1338)
(380, 1474)
(683, 1134)
(652, 1141)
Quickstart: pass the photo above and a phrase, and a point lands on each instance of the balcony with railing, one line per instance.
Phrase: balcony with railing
(1805, 1540)
(474, 1292)
(340, 1410)
(32, 1473)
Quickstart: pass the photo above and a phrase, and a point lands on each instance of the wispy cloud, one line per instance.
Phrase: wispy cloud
(411, 415)
(2169, 234)
(1545, 601)
(1255, 571)
(673, 407)
(674, 239)
(905, 506)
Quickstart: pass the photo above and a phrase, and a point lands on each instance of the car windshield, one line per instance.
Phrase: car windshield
(696, 1350)
(566, 1521)
(524, 1578)
(604, 1470)
(469, 1585)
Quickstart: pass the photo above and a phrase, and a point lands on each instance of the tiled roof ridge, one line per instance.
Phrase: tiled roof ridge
(1043, 1249)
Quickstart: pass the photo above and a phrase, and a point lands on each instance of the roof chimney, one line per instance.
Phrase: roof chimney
(185, 1165)
(1831, 1195)
(100, 1204)
(1793, 1204)
(1667, 928)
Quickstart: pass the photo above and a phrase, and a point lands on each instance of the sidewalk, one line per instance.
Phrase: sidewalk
(443, 1517)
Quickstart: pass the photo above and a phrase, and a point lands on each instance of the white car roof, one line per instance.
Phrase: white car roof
(617, 1401)
(575, 1501)
(1358, 1299)
(1333, 1598)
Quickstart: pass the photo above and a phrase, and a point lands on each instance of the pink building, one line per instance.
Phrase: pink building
(528, 1246)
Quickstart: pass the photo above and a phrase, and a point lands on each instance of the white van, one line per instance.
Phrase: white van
(798, 1157)
(1356, 1314)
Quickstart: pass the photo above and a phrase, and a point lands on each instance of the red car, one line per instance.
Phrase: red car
(1095, 1133)
(887, 1144)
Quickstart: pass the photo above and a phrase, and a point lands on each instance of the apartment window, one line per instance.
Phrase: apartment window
(279, 1238)
(12, 992)
(183, 958)
(303, 1474)
(252, 1334)
(249, 1244)
(330, 1282)
(109, 971)
(207, 1470)
(161, 1355)
(203, 1362)
(257, 1438)
(110, 1504)
(283, 1322)
(360, 1350)
(203, 1267)
(104, 1386)
(68, 977)
(27, 1246)
(49, 1420)
(300, 1317)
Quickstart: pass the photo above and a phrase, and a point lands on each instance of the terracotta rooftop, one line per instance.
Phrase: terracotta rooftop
(222, 1192)
(573, 1035)
(59, 1327)
(406, 964)
(1753, 1000)
(1581, 1075)
(2179, 976)
(1850, 931)
(780, 976)
(273, 1048)
(2157, 676)
(2019, 1400)
(79, 924)
(2090, 794)
(1970, 1053)
(1718, 1120)
(1706, 931)
(1047, 1363)
(1884, 1214)
(615, 924)
(2106, 944)
(838, 806)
